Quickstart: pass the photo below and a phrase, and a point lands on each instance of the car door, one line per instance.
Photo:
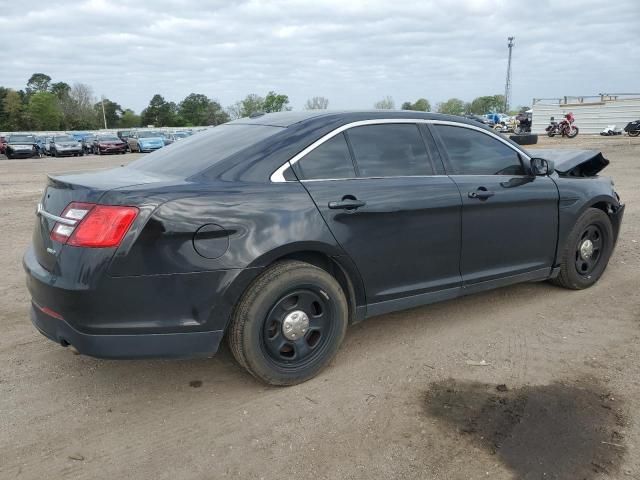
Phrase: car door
(509, 217)
(375, 187)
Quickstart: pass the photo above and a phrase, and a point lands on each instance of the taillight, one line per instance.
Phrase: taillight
(97, 226)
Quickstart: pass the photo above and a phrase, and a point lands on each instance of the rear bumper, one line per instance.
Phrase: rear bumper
(165, 345)
(163, 316)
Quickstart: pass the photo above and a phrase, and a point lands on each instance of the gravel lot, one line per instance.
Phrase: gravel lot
(405, 397)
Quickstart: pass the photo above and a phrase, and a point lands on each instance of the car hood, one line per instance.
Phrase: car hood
(150, 140)
(574, 163)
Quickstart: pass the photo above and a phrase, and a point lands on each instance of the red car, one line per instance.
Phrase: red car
(3, 144)
(108, 143)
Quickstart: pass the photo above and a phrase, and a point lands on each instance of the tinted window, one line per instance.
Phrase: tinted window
(475, 153)
(389, 150)
(199, 152)
(330, 160)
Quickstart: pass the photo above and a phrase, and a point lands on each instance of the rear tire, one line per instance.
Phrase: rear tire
(264, 321)
(586, 252)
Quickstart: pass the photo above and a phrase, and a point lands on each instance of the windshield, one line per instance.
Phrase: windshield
(108, 138)
(199, 152)
(64, 138)
(180, 135)
(22, 139)
(150, 135)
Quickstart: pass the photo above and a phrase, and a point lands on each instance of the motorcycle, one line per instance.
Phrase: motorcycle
(564, 127)
(633, 128)
(523, 124)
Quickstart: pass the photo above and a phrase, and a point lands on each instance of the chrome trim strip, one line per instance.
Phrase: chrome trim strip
(65, 221)
(278, 175)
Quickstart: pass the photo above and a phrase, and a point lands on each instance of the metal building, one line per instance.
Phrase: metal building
(593, 113)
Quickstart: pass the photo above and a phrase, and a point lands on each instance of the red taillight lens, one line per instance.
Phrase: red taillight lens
(99, 226)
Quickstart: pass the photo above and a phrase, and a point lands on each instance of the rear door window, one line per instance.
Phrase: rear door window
(389, 150)
(330, 160)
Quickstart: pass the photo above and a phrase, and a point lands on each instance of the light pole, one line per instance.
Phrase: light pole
(104, 116)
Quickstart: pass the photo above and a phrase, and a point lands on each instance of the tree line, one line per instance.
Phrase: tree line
(453, 106)
(47, 105)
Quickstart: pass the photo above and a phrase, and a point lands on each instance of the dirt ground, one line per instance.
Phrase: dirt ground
(557, 396)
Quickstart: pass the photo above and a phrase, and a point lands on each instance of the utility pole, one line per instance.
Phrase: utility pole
(104, 117)
(507, 86)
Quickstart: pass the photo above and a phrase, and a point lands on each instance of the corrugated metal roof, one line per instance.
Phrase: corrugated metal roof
(590, 117)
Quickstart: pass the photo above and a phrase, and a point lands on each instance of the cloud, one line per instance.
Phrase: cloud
(352, 52)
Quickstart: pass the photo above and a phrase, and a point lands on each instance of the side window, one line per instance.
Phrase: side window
(389, 150)
(475, 153)
(330, 160)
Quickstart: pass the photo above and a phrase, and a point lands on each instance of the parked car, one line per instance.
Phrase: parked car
(181, 134)
(277, 231)
(46, 147)
(477, 118)
(145, 141)
(21, 145)
(65, 145)
(108, 143)
(124, 136)
(40, 145)
(3, 144)
(87, 142)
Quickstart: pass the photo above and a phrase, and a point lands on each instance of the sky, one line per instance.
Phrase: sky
(353, 52)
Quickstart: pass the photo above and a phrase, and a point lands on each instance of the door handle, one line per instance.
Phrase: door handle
(481, 194)
(347, 203)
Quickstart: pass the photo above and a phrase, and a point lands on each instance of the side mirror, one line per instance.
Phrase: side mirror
(541, 167)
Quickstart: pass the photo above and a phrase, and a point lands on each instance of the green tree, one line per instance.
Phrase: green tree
(453, 106)
(421, 105)
(386, 103)
(112, 112)
(129, 119)
(216, 114)
(38, 82)
(194, 109)
(44, 111)
(275, 102)
(317, 103)
(60, 89)
(486, 104)
(14, 111)
(159, 112)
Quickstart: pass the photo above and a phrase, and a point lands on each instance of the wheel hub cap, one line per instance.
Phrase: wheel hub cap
(586, 249)
(295, 325)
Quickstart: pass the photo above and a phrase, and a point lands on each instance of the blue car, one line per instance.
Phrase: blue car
(146, 141)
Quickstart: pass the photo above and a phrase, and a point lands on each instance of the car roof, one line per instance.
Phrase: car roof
(287, 119)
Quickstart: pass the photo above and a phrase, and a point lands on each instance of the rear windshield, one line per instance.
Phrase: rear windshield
(199, 152)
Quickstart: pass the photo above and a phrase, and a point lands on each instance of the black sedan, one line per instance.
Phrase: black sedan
(21, 146)
(280, 230)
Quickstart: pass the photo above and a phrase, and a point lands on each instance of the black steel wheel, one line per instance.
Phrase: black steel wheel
(289, 323)
(297, 327)
(587, 251)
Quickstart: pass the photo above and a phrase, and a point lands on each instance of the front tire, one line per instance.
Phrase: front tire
(289, 323)
(634, 133)
(586, 252)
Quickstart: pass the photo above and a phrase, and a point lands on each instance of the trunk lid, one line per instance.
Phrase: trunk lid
(573, 163)
(82, 187)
